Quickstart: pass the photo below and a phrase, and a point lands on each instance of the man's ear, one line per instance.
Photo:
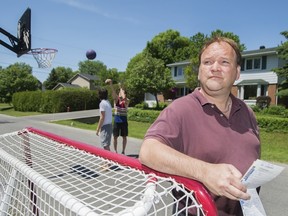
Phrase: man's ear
(238, 72)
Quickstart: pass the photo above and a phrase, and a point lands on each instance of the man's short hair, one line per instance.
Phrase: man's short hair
(229, 41)
(103, 94)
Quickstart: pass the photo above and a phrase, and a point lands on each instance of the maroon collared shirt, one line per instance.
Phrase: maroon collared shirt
(199, 129)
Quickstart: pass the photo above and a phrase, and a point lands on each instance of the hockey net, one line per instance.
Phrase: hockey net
(45, 174)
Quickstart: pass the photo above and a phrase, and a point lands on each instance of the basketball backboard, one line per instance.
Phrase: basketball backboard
(24, 33)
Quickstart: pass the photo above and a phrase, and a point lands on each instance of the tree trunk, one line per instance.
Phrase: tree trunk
(157, 102)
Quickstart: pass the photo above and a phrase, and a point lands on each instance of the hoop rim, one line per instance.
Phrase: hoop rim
(42, 50)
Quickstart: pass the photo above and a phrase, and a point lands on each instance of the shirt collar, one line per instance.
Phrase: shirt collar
(236, 105)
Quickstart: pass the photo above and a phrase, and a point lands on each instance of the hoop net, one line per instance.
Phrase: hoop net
(44, 174)
(44, 56)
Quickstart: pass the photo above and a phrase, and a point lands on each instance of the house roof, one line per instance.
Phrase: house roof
(186, 62)
(261, 51)
(253, 82)
(66, 85)
(87, 77)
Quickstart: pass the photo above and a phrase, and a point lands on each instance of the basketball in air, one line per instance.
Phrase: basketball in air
(91, 54)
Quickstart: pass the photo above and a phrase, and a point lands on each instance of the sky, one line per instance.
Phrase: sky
(119, 29)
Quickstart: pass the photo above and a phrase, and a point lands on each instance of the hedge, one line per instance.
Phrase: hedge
(264, 122)
(55, 101)
(270, 123)
(143, 115)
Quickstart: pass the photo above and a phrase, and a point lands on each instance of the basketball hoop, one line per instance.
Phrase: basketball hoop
(43, 56)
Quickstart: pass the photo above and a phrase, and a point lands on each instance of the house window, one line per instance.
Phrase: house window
(263, 90)
(250, 92)
(178, 71)
(253, 64)
(257, 63)
(175, 71)
(264, 62)
(182, 91)
(249, 64)
(243, 64)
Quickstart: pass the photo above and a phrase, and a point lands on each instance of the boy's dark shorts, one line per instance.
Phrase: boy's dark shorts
(120, 129)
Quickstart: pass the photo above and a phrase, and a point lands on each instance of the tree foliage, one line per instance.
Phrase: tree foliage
(58, 75)
(99, 69)
(16, 78)
(169, 46)
(92, 67)
(146, 74)
(111, 73)
(283, 71)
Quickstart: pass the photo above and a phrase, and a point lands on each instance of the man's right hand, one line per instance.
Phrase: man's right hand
(225, 180)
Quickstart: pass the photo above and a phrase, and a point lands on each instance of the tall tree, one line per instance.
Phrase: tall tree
(58, 75)
(97, 68)
(16, 78)
(146, 74)
(111, 73)
(283, 71)
(169, 46)
(92, 67)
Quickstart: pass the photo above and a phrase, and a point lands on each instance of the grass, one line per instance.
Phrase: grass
(12, 112)
(7, 109)
(274, 144)
(136, 129)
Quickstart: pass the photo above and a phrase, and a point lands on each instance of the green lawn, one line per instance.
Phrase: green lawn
(274, 144)
(8, 110)
(136, 129)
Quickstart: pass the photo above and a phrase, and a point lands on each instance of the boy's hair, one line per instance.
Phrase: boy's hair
(103, 94)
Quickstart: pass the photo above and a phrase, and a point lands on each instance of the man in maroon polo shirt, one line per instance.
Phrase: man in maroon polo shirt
(209, 135)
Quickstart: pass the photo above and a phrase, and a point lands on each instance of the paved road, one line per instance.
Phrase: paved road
(274, 195)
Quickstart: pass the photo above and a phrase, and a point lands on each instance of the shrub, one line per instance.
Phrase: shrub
(69, 100)
(255, 108)
(55, 101)
(161, 106)
(28, 101)
(263, 101)
(143, 115)
(274, 110)
(142, 105)
(273, 123)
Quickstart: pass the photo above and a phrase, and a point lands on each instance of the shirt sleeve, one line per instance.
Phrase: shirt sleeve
(166, 128)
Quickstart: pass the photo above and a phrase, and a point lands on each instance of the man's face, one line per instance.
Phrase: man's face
(218, 68)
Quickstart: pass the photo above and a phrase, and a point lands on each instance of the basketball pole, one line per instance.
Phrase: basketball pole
(14, 41)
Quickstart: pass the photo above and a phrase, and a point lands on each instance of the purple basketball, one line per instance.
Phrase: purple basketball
(91, 54)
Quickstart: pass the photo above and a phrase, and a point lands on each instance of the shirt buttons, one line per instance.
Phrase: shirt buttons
(221, 115)
(212, 106)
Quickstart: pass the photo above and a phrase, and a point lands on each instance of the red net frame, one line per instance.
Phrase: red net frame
(201, 193)
(43, 174)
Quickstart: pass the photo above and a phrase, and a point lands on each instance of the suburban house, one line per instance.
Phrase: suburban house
(256, 78)
(80, 80)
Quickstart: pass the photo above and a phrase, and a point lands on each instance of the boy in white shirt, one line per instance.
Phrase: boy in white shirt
(105, 121)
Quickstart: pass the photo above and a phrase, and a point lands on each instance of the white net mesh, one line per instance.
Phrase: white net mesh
(39, 176)
(44, 56)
